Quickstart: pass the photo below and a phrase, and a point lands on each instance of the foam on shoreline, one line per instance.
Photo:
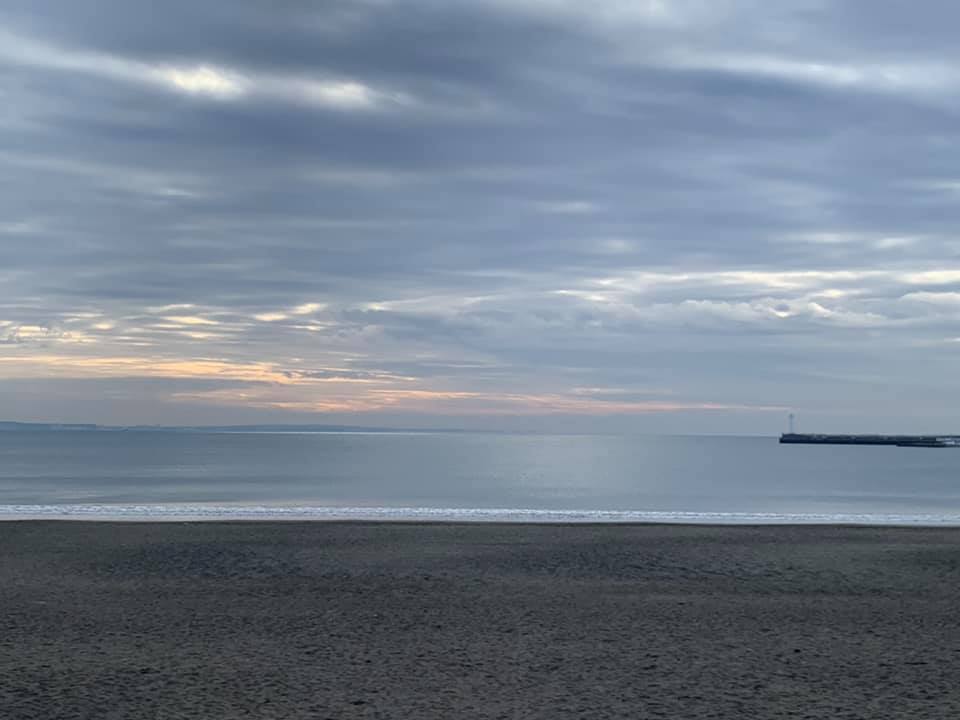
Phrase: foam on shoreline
(222, 512)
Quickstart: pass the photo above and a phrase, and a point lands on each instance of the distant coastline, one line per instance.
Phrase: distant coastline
(11, 426)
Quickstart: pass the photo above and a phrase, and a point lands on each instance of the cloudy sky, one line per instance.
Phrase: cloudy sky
(657, 215)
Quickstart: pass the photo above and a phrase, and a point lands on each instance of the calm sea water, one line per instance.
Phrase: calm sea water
(473, 476)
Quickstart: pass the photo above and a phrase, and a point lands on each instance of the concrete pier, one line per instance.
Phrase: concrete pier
(895, 440)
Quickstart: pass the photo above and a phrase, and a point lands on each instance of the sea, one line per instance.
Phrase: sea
(483, 477)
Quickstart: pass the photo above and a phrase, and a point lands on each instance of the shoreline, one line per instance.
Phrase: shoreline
(639, 524)
(220, 512)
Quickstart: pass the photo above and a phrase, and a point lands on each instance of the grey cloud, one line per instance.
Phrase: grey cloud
(729, 137)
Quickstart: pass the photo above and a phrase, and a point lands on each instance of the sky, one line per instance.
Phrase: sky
(637, 215)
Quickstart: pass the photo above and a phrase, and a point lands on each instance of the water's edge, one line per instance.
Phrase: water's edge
(204, 512)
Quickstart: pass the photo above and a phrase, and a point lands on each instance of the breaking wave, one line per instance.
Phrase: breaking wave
(210, 512)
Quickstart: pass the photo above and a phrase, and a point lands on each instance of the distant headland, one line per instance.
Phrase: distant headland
(11, 426)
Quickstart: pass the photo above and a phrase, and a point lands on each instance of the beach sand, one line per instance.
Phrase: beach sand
(363, 620)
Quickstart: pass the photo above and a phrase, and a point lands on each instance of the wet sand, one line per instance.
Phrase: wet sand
(354, 620)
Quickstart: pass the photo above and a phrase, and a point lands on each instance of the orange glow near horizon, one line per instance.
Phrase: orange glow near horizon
(268, 385)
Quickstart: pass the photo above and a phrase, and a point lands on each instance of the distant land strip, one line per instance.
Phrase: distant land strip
(10, 426)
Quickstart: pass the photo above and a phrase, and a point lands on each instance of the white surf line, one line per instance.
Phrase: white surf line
(213, 512)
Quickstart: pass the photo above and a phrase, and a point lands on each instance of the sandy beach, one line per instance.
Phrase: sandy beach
(354, 620)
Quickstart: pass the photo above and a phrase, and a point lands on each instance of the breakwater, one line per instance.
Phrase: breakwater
(930, 441)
